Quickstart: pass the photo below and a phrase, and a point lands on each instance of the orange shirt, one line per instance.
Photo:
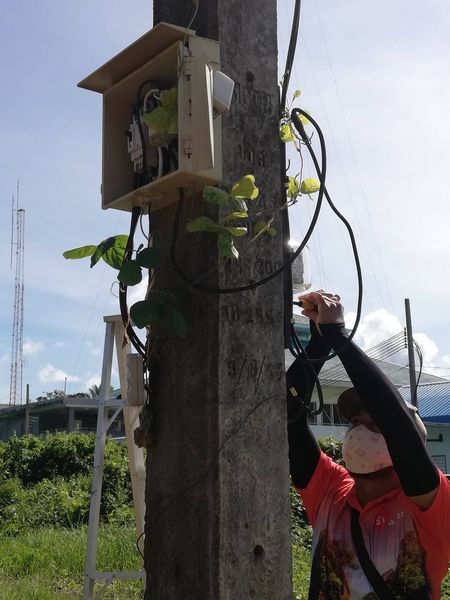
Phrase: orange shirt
(409, 547)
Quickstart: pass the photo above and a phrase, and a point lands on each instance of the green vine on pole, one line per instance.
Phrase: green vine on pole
(111, 250)
(165, 307)
(159, 306)
(232, 224)
(295, 186)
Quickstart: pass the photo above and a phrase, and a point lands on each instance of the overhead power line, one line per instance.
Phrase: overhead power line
(381, 351)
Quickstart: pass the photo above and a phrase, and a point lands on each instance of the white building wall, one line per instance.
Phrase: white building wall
(439, 451)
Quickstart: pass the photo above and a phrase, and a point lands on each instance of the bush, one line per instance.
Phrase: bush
(9, 492)
(33, 459)
(16, 455)
(47, 482)
(332, 448)
(48, 503)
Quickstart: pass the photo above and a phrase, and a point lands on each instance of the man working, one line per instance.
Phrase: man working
(382, 525)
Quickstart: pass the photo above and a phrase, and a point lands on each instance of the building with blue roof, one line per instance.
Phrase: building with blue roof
(433, 401)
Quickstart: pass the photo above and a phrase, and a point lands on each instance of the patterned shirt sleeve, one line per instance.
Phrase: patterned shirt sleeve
(434, 522)
(329, 479)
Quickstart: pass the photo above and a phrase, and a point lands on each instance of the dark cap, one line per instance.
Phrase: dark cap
(349, 403)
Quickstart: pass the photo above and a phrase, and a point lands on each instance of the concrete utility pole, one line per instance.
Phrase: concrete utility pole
(217, 524)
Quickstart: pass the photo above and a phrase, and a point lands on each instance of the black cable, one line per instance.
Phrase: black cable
(136, 342)
(288, 292)
(136, 113)
(144, 147)
(307, 363)
(420, 355)
(290, 55)
(292, 350)
(137, 544)
(321, 173)
(216, 290)
(287, 275)
(301, 130)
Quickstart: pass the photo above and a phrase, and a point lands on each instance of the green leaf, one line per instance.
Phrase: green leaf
(103, 247)
(236, 215)
(159, 120)
(146, 312)
(215, 195)
(310, 186)
(169, 99)
(81, 252)
(237, 231)
(245, 188)
(175, 321)
(260, 225)
(113, 256)
(164, 118)
(202, 224)
(148, 258)
(130, 273)
(226, 247)
(304, 119)
(286, 133)
(238, 204)
(292, 187)
(263, 226)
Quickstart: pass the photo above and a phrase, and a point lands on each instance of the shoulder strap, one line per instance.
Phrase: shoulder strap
(373, 576)
(314, 590)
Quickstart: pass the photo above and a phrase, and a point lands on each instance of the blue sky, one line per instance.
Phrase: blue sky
(375, 76)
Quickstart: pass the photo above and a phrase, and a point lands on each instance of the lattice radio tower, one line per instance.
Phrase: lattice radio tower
(17, 249)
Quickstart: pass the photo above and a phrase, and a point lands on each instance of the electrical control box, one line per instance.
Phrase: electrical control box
(142, 166)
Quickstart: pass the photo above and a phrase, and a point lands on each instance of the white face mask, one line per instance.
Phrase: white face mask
(365, 451)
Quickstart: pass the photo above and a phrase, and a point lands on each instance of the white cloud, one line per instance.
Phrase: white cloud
(31, 348)
(94, 380)
(49, 373)
(60, 345)
(375, 327)
(428, 347)
(379, 325)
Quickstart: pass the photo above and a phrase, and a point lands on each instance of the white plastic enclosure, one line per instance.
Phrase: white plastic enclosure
(160, 55)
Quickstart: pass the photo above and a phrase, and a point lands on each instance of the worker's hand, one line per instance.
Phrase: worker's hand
(323, 307)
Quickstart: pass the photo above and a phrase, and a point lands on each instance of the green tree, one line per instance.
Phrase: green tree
(51, 395)
(94, 391)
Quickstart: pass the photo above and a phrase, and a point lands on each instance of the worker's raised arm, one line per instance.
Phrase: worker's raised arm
(416, 471)
(303, 449)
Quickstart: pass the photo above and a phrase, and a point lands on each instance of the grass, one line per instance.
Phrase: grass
(48, 564)
(301, 564)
